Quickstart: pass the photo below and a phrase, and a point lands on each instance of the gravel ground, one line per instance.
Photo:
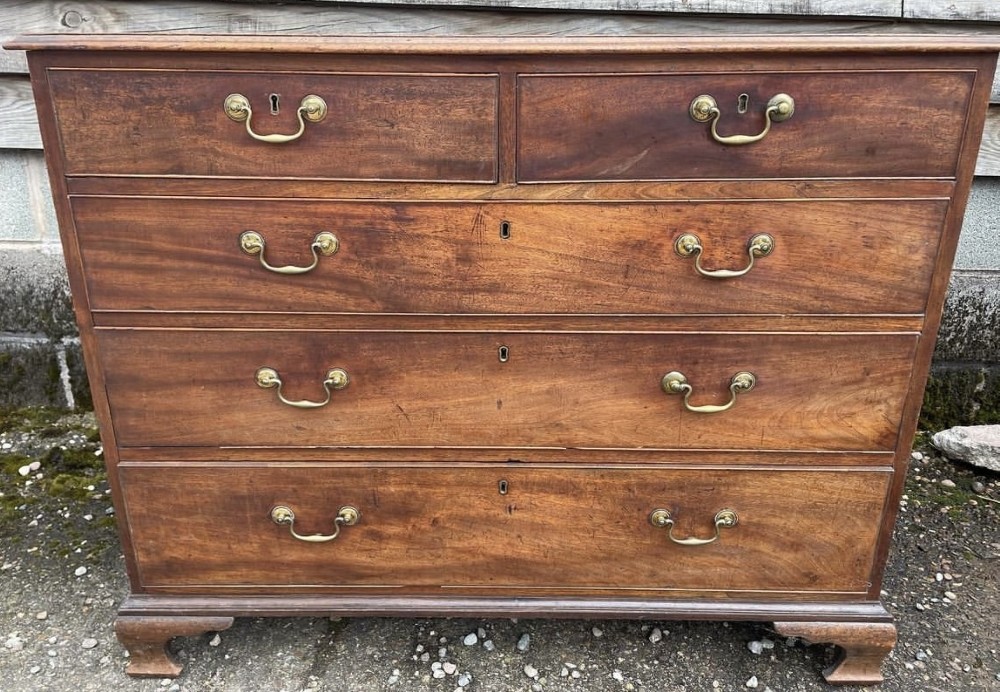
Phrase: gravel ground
(62, 577)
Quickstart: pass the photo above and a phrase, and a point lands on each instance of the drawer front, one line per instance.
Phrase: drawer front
(812, 392)
(158, 254)
(377, 127)
(845, 124)
(573, 530)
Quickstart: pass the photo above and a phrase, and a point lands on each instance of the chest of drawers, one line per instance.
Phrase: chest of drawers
(538, 327)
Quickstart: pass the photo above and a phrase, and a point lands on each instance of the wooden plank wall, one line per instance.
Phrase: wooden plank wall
(19, 127)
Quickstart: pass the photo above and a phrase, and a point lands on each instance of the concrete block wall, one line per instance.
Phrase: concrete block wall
(40, 360)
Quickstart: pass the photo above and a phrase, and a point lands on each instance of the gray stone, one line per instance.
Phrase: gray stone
(531, 671)
(471, 639)
(30, 375)
(978, 248)
(524, 642)
(970, 323)
(27, 214)
(978, 445)
(34, 295)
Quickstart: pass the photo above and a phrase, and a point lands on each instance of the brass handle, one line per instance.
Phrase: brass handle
(676, 383)
(312, 108)
(688, 245)
(336, 378)
(704, 109)
(284, 516)
(326, 244)
(724, 519)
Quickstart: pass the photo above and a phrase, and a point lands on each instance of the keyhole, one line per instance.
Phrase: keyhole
(742, 103)
(502, 487)
(505, 230)
(503, 353)
(274, 104)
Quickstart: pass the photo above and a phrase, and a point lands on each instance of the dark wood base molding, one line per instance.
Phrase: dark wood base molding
(296, 605)
(146, 623)
(146, 637)
(863, 647)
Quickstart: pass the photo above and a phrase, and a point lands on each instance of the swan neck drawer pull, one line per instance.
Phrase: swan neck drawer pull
(676, 383)
(326, 244)
(284, 516)
(704, 108)
(312, 108)
(724, 519)
(689, 245)
(336, 378)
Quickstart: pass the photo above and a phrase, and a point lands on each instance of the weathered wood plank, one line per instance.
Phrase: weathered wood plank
(960, 10)
(210, 17)
(18, 121)
(988, 163)
(846, 8)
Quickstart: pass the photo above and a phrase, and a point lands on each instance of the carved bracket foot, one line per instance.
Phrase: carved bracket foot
(863, 646)
(147, 637)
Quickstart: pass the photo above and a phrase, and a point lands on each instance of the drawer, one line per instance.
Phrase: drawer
(869, 123)
(572, 530)
(856, 256)
(563, 390)
(376, 127)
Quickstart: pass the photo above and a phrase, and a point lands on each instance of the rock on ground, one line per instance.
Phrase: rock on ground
(978, 445)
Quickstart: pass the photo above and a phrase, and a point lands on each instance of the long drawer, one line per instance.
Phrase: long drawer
(846, 123)
(505, 530)
(376, 126)
(811, 391)
(170, 254)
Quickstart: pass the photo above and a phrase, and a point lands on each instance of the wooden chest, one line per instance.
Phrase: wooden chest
(630, 327)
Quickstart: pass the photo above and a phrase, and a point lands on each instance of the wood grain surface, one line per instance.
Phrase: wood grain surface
(585, 530)
(408, 127)
(184, 255)
(177, 388)
(845, 124)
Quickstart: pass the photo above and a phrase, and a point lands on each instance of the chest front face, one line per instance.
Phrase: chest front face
(641, 326)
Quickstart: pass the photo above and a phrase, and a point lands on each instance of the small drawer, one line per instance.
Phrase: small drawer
(520, 390)
(822, 256)
(375, 127)
(504, 530)
(844, 124)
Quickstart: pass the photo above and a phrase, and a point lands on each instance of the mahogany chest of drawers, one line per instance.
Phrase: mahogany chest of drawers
(630, 327)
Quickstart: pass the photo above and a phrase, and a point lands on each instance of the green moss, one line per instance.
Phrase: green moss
(10, 463)
(961, 396)
(69, 486)
(29, 419)
(70, 460)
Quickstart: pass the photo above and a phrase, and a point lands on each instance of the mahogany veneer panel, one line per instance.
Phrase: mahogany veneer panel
(846, 124)
(556, 390)
(798, 531)
(386, 127)
(184, 255)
